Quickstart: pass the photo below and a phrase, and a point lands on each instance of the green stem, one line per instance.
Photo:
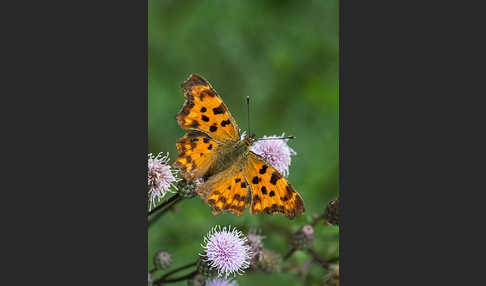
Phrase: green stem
(290, 253)
(171, 199)
(185, 277)
(163, 278)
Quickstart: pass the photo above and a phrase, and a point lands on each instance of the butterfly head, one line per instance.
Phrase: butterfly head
(249, 140)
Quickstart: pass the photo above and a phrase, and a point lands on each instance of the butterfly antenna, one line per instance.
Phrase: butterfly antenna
(248, 105)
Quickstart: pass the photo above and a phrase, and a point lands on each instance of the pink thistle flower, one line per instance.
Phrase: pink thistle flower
(161, 177)
(220, 282)
(227, 251)
(276, 152)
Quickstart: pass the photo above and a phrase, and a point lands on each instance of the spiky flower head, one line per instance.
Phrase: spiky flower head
(196, 280)
(277, 152)
(270, 261)
(256, 246)
(163, 259)
(220, 282)
(161, 177)
(226, 251)
(303, 237)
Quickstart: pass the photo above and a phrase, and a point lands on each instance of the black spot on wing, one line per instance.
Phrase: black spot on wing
(206, 140)
(263, 169)
(275, 177)
(213, 128)
(205, 118)
(225, 122)
(272, 193)
(219, 109)
(255, 180)
(264, 190)
(210, 146)
(237, 180)
(203, 109)
(243, 185)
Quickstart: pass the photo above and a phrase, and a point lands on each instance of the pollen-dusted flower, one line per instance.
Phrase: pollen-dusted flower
(220, 282)
(226, 251)
(276, 152)
(161, 177)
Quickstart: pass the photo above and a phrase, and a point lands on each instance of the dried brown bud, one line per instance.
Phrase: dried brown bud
(270, 261)
(333, 279)
(303, 237)
(332, 212)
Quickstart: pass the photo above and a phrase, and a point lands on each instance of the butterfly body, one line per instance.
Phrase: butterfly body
(235, 178)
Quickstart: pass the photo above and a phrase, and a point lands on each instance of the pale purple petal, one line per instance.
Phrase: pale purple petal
(161, 177)
(227, 250)
(221, 282)
(276, 152)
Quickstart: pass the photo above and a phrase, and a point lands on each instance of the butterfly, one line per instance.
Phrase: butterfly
(235, 178)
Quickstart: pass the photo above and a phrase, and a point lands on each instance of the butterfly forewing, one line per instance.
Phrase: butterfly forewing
(205, 111)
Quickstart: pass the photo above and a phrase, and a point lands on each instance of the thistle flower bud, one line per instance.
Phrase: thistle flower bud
(333, 279)
(197, 280)
(270, 261)
(150, 281)
(303, 237)
(188, 189)
(331, 213)
(163, 259)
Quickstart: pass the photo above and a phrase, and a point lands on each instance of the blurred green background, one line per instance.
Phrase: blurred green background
(285, 55)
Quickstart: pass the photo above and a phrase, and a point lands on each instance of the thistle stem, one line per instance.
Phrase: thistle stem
(185, 277)
(163, 278)
(161, 213)
(290, 253)
(319, 259)
(171, 199)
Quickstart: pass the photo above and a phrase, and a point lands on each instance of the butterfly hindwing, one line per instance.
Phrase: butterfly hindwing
(204, 110)
(197, 152)
(226, 191)
(271, 192)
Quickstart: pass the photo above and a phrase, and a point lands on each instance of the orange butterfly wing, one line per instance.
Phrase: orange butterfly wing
(196, 154)
(226, 191)
(205, 111)
(271, 192)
